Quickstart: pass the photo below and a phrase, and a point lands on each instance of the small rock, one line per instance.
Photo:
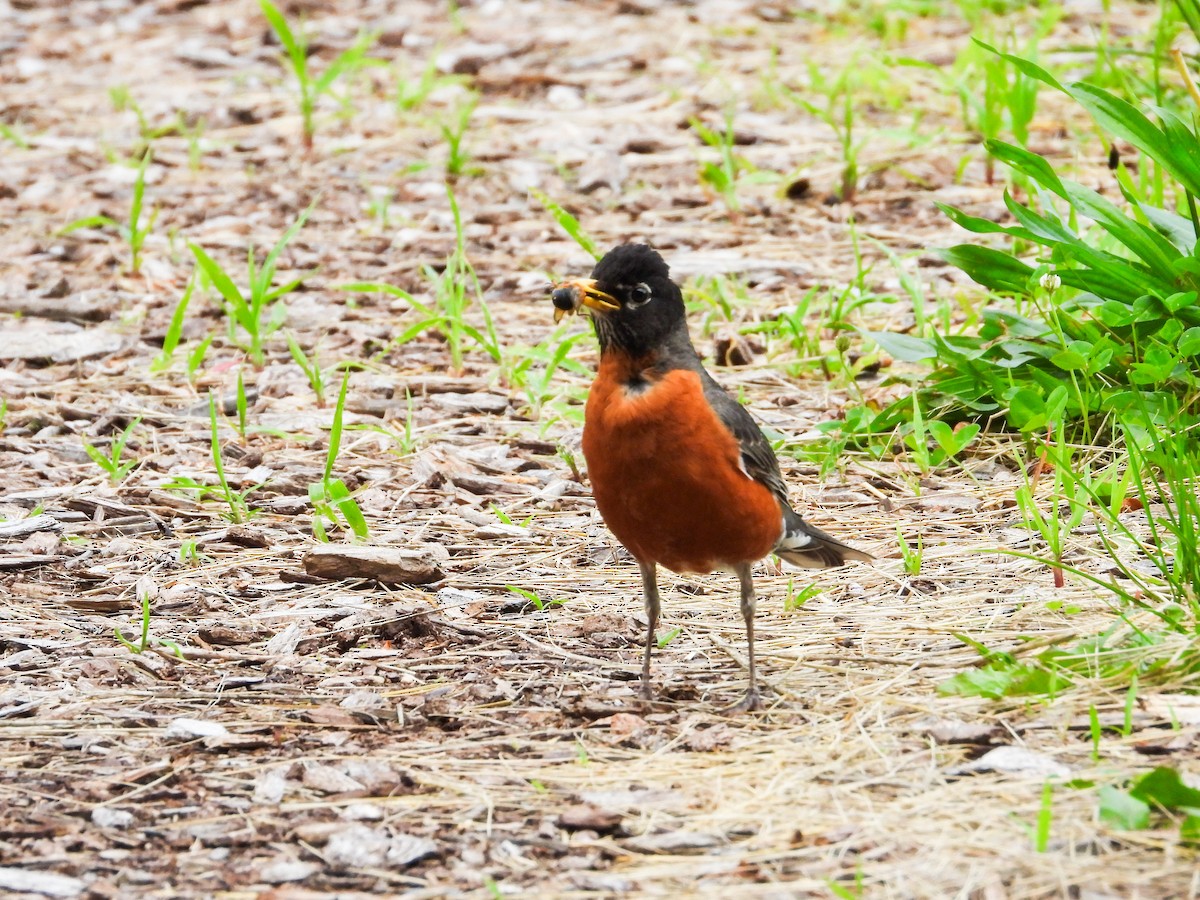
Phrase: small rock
(1014, 761)
(270, 785)
(185, 729)
(106, 817)
(627, 725)
(406, 849)
(329, 780)
(357, 847)
(283, 870)
(362, 812)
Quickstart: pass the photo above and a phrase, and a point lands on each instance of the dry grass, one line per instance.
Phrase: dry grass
(359, 720)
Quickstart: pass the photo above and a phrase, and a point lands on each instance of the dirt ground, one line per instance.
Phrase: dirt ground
(341, 737)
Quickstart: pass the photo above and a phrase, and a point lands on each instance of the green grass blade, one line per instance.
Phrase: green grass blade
(568, 223)
(223, 283)
(297, 49)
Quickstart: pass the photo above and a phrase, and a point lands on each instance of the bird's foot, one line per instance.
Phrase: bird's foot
(749, 703)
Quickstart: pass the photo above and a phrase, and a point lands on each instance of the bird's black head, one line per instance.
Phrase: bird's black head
(651, 304)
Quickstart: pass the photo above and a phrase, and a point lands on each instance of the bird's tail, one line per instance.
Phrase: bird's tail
(808, 547)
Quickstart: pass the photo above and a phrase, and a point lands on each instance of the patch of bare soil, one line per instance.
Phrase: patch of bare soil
(439, 734)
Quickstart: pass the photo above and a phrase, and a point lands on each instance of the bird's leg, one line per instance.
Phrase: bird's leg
(650, 589)
(751, 700)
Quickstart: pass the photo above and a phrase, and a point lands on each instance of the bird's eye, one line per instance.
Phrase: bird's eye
(639, 295)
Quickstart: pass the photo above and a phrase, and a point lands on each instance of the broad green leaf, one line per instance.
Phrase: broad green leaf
(339, 494)
(1177, 229)
(1189, 342)
(991, 268)
(91, 222)
(1119, 809)
(1004, 679)
(220, 280)
(903, 346)
(567, 223)
(981, 226)
(296, 50)
(1029, 163)
(1164, 786)
(1122, 119)
(1032, 69)
(293, 230)
(1145, 243)
(1189, 829)
(1069, 360)
(1026, 410)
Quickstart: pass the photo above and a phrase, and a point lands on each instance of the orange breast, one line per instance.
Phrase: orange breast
(666, 474)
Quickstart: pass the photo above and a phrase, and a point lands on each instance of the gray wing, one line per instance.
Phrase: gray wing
(801, 544)
(758, 459)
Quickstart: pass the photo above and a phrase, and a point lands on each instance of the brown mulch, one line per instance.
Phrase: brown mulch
(442, 734)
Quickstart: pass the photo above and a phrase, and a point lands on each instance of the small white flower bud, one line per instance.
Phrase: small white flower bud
(1050, 282)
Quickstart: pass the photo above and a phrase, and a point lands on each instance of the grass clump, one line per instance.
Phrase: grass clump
(133, 231)
(249, 311)
(310, 85)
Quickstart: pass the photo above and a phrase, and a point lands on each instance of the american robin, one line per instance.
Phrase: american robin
(681, 473)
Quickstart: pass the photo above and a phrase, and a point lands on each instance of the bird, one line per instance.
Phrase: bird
(681, 473)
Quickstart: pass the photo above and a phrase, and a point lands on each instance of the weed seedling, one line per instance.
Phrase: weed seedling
(552, 355)
(189, 554)
(111, 463)
(310, 85)
(174, 331)
(241, 407)
(330, 496)
(411, 93)
(839, 114)
(195, 359)
(722, 175)
(132, 232)
(239, 511)
(455, 289)
(247, 313)
(1069, 488)
(568, 223)
(666, 637)
(795, 600)
(1041, 839)
(911, 554)
(145, 642)
(316, 379)
(454, 130)
(533, 598)
(568, 458)
(13, 136)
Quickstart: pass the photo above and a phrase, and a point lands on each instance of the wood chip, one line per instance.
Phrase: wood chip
(22, 527)
(590, 818)
(388, 565)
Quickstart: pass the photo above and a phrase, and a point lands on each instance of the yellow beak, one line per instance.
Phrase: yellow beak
(568, 296)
